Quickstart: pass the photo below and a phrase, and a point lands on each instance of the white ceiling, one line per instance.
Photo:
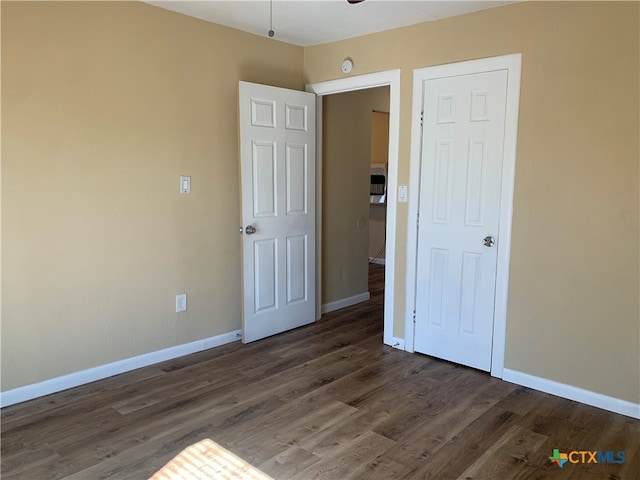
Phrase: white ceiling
(312, 22)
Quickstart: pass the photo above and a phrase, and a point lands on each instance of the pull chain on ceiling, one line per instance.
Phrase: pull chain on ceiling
(271, 32)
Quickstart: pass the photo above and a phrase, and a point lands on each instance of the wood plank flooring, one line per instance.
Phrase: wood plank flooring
(323, 402)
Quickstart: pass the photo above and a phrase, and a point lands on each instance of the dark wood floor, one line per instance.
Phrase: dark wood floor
(328, 401)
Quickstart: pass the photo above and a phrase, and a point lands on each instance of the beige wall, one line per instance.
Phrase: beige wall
(573, 309)
(346, 152)
(377, 226)
(104, 106)
(379, 154)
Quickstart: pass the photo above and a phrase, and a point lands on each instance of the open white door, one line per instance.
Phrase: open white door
(460, 192)
(277, 175)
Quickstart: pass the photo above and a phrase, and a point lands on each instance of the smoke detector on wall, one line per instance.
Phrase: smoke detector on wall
(347, 65)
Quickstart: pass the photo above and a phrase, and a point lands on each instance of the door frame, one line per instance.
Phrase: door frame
(389, 78)
(512, 63)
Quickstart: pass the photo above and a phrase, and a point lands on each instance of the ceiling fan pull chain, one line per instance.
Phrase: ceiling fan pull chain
(271, 32)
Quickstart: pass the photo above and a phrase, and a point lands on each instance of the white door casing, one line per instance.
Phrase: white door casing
(277, 175)
(389, 78)
(461, 259)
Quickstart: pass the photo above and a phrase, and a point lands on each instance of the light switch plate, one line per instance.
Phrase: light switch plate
(185, 184)
(402, 193)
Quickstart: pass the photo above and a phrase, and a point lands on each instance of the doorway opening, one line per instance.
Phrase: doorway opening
(355, 138)
(391, 79)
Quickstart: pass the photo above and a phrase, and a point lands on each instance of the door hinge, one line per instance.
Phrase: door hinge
(421, 118)
(414, 316)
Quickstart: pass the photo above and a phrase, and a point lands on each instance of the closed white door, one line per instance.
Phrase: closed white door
(459, 211)
(277, 150)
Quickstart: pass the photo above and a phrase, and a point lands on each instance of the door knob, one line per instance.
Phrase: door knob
(488, 241)
(249, 229)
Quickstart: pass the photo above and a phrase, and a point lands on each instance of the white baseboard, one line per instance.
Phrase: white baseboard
(345, 302)
(378, 261)
(47, 387)
(588, 397)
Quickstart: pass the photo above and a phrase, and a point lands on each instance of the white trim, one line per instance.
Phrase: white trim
(612, 404)
(377, 261)
(512, 63)
(361, 82)
(53, 385)
(346, 302)
(398, 343)
(318, 207)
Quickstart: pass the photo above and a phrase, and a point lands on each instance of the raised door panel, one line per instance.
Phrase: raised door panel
(265, 186)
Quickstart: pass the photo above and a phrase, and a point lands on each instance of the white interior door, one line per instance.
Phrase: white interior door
(277, 170)
(459, 212)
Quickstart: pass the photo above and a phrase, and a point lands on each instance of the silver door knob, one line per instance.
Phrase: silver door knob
(488, 241)
(249, 229)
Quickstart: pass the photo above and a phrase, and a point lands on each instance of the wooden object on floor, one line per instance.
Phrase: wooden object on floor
(206, 460)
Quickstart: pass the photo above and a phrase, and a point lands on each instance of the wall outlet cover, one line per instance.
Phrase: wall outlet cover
(181, 302)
